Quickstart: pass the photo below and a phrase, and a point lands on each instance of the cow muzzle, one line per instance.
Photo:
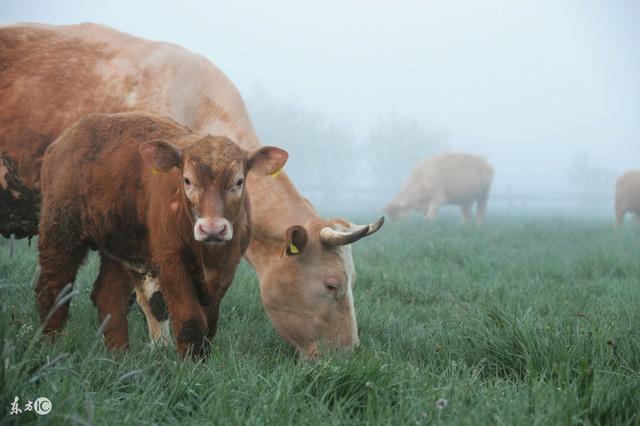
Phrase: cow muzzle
(213, 230)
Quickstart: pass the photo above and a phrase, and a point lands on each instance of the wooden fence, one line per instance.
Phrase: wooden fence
(349, 200)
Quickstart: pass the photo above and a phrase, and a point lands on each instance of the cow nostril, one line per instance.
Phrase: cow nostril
(223, 230)
(201, 229)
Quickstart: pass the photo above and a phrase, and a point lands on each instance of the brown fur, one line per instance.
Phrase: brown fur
(27, 64)
(99, 192)
(50, 76)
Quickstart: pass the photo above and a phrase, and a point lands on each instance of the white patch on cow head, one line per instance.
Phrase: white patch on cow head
(216, 231)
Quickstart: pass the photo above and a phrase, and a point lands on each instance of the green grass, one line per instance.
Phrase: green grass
(526, 321)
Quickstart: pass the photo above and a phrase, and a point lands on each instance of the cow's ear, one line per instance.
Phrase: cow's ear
(160, 156)
(267, 160)
(295, 240)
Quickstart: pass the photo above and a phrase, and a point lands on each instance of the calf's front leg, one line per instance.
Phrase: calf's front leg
(187, 316)
(220, 285)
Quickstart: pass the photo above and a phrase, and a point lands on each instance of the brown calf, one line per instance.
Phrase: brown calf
(148, 192)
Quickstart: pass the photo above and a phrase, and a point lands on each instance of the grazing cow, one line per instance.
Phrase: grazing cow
(50, 76)
(146, 191)
(628, 196)
(460, 179)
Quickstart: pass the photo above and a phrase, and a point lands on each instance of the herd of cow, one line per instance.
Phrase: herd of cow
(143, 150)
(464, 179)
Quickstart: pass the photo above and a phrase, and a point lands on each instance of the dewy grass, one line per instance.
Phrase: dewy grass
(526, 321)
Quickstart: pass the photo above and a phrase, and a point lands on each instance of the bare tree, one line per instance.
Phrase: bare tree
(586, 175)
(323, 154)
(396, 145)
(333, 167)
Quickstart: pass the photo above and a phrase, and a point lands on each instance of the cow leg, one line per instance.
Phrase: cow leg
(111, 293)
(59, 263)
(481, 211)
(433, 208)
(188, 319)
(466, 213)
(152, 303)
(620, 212)
(213, 309)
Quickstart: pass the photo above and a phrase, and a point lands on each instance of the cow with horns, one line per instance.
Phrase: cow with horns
(303, 262)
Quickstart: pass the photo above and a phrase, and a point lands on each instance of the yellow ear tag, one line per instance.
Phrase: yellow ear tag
(154, 171)
(275, 174)
(293, 249)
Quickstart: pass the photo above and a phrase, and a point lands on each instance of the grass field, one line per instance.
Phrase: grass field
(527, 321)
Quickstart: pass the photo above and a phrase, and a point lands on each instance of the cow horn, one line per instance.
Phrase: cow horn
(331, 237)
(374, 227)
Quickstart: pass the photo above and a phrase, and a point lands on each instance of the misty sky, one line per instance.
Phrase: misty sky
(529, 84)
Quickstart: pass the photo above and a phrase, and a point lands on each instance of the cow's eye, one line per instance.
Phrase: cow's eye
(187, 181)
(240, 182)
(331, 286)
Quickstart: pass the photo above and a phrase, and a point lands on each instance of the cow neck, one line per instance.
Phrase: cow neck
(276, 205)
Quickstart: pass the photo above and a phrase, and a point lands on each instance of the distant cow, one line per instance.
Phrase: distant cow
(146, 191)
(628, 196)
(460, 179)
(51, 76)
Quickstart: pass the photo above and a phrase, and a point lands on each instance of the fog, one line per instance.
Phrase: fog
(360, 91)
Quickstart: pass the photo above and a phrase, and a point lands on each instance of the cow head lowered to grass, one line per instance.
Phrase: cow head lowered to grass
(175, 205)
(317, 274)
